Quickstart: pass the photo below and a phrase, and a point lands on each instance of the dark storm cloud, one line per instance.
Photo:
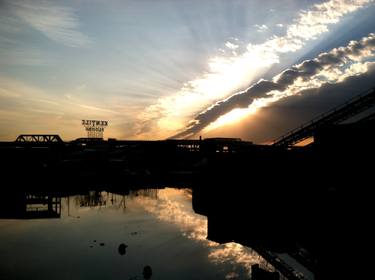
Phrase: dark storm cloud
(305, 71)
(296, 110)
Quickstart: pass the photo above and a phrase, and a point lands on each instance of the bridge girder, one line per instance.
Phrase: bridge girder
(39, 138)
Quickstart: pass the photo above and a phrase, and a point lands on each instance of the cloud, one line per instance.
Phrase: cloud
(280, 117)
(94, 108)
(315, 21)
(56, 22)
(231, 46)
(261, 28)
(229, 73)
(309, 74)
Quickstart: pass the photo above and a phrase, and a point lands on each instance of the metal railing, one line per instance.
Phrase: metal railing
(352, 107)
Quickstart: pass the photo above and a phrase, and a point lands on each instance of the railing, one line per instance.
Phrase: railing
(369, 117)
(354, 106)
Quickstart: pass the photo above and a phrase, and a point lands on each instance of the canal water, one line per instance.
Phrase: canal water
(101, 235)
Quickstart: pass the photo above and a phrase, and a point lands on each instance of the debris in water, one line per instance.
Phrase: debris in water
(122, 249)
(147, 272)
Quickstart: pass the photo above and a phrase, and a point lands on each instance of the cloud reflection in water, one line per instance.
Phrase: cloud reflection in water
(174, 206)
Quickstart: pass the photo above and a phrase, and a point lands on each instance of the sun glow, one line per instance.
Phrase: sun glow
(232, 117)
(225, 75)
(238, 66)
(239, 114)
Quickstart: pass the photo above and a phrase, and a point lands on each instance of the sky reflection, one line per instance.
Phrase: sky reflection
(157, 227)
(174, 206)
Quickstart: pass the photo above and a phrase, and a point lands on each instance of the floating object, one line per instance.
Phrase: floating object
(122, 249)
(147, 272)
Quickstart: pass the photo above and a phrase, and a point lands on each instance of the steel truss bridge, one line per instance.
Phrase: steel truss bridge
(39, 138)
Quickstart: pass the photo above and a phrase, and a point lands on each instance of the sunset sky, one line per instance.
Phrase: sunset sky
(180, 68)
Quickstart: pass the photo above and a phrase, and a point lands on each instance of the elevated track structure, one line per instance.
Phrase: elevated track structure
(351, 108)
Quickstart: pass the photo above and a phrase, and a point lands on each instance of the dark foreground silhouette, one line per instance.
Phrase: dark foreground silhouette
(313, 203)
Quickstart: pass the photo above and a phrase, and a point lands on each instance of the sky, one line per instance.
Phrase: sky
(180, 68)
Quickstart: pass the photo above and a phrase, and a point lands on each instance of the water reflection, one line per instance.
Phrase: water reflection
(174, 206)
(31, 206)
(139, 234)
(92, 199)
